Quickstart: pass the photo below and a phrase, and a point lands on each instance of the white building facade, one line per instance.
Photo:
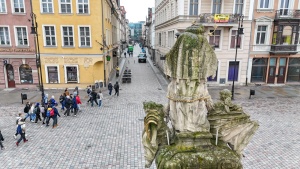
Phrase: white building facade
(220, 19)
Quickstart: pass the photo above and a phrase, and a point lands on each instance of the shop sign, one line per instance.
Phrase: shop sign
(16, 50)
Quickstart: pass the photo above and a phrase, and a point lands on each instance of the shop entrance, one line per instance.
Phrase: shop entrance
(10, 76)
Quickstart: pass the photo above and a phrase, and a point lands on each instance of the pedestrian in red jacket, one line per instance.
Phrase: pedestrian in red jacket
(78, 101)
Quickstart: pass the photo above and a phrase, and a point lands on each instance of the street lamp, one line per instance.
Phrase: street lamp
(34, 31)
(239, 32)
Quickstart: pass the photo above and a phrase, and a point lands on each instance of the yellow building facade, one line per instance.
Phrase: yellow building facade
(71, 42)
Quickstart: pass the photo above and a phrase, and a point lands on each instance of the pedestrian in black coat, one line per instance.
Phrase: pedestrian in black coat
(1, 139)
(110, 88)
(68, 105)
(116, 87)
(94, 97)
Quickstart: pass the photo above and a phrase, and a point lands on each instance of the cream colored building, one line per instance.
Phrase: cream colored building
(173, 17)
(275, 42)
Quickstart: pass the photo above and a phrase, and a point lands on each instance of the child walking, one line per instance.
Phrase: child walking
(100, 98)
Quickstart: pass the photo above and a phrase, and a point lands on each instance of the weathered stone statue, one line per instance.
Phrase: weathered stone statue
(192, 144)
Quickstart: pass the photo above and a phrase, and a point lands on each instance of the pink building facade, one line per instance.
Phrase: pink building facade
(17, 49)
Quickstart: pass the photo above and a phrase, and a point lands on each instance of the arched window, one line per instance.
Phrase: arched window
(25, 74)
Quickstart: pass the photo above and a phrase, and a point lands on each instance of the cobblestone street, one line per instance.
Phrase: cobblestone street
(110, 137)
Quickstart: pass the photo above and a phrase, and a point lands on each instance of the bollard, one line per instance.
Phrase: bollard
(252, 92)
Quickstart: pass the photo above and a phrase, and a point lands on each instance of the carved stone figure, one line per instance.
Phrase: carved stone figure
(155, 131)
(195, 120)
(225, 105)
(234, 126)
(189, 63)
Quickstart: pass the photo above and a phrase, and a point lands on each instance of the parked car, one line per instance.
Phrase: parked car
(142, 58)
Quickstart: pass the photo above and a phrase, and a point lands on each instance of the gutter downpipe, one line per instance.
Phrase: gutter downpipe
(104, 44)
(250, 42)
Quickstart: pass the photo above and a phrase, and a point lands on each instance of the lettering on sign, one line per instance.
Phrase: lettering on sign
(16, 50)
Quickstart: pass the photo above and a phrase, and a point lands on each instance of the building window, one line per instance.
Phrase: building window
(22, 39)
(4, 36)
(159, 39)
(193, 7)
(84, 36)
(293, 74)
(264, 4)
(65, 6)
(233, 71)
(47, 6)
(234, 42)
(259, 69)
(52, 74)
(68, 39)
(261, 35)
(18, 6)
(239, 5)
(2, 6)
(72, 74)
(50, 39)
(171, 38)
(215, 38)
(83, 6)
(25, 74)
(217, 5)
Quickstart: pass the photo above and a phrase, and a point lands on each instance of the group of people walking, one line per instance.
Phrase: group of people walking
(70, 103)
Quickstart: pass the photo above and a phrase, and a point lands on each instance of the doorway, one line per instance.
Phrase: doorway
(10, 76)
(272, 70)
(281, 71)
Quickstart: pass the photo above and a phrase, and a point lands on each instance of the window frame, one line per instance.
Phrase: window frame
(20, 74)
(13, 7)
(62, 36)
(5, 7)
(46, 71)
(44, 36)
(241, 40)
(41, 7)
(16, 36)
(212, 7)
(9, 37)
(221, 38)
(194, 4)
(243, 8)
(66, 78)
(266, 35)
(217, 75)
(77, 7)
(60, 3)
(79, 36)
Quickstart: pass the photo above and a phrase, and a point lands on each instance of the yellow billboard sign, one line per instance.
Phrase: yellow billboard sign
(221, 18)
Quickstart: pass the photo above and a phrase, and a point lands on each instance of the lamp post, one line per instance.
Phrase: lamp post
(34, 31)
(240, 31)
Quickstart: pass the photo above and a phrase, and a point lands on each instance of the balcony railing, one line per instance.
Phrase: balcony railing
(283, 49)
(219, 18)
(287, 14)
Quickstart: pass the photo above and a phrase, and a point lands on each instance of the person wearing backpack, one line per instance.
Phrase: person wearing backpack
(26, 110)
(21, 130)
(54, 116)
(110, 88)
(100, 98)
(116, 87)
(37, 112)
(1, 139)
(68, 105)
(94, 97)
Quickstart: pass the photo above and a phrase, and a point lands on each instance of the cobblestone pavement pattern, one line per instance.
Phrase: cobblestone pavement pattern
(110, 137)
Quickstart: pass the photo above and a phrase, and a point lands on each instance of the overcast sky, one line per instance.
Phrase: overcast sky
(137, 10)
